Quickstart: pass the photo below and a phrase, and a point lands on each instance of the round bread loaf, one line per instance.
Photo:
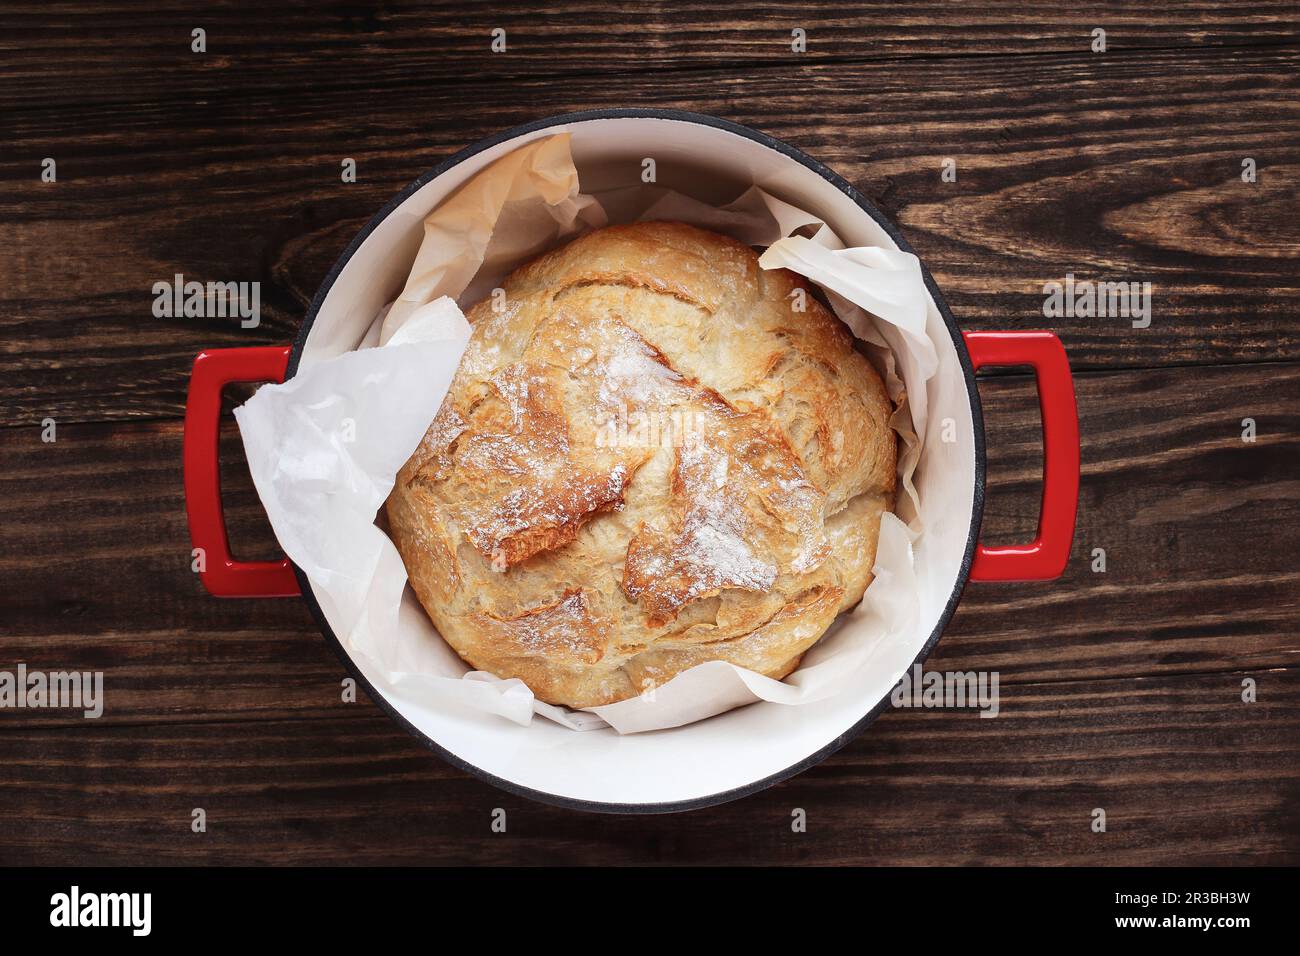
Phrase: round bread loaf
(654, 454)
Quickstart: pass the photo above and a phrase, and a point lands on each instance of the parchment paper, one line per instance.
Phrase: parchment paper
(324, 447)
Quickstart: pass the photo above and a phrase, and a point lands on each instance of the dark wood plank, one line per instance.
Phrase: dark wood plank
(1112, 169)
(78, 52)
(96, 557)
(1120, 690)
(1200, 530)
(1186, 772)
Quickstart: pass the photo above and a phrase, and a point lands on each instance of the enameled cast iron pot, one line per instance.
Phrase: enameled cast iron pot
(752, 747)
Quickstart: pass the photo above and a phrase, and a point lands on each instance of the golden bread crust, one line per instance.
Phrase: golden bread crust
(648, 459)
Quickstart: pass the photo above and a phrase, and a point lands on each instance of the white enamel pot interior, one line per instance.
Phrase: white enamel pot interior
(751, 747)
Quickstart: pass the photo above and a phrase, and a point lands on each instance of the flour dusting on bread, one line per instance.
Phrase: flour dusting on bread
(647, 460)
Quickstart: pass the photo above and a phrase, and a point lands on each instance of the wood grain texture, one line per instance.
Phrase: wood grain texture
(1120, 690)
(1200, 530)
(82, 52)
(1186, 772)
(1120, 169)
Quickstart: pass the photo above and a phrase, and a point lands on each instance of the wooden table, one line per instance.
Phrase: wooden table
(1120, 690)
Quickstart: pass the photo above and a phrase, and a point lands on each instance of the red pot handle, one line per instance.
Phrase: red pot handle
(223, 576)
(1046, 557)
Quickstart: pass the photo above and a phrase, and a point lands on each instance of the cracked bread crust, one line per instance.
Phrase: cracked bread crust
(648, 459)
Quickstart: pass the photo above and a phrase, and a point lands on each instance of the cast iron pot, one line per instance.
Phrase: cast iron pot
(752, 747)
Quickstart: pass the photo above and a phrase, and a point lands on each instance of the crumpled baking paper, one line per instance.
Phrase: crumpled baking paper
(324, 448)
(525, 203)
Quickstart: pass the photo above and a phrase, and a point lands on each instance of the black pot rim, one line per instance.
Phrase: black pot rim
(977, 420)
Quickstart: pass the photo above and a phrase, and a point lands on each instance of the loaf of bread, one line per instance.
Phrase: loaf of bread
(654, 454)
